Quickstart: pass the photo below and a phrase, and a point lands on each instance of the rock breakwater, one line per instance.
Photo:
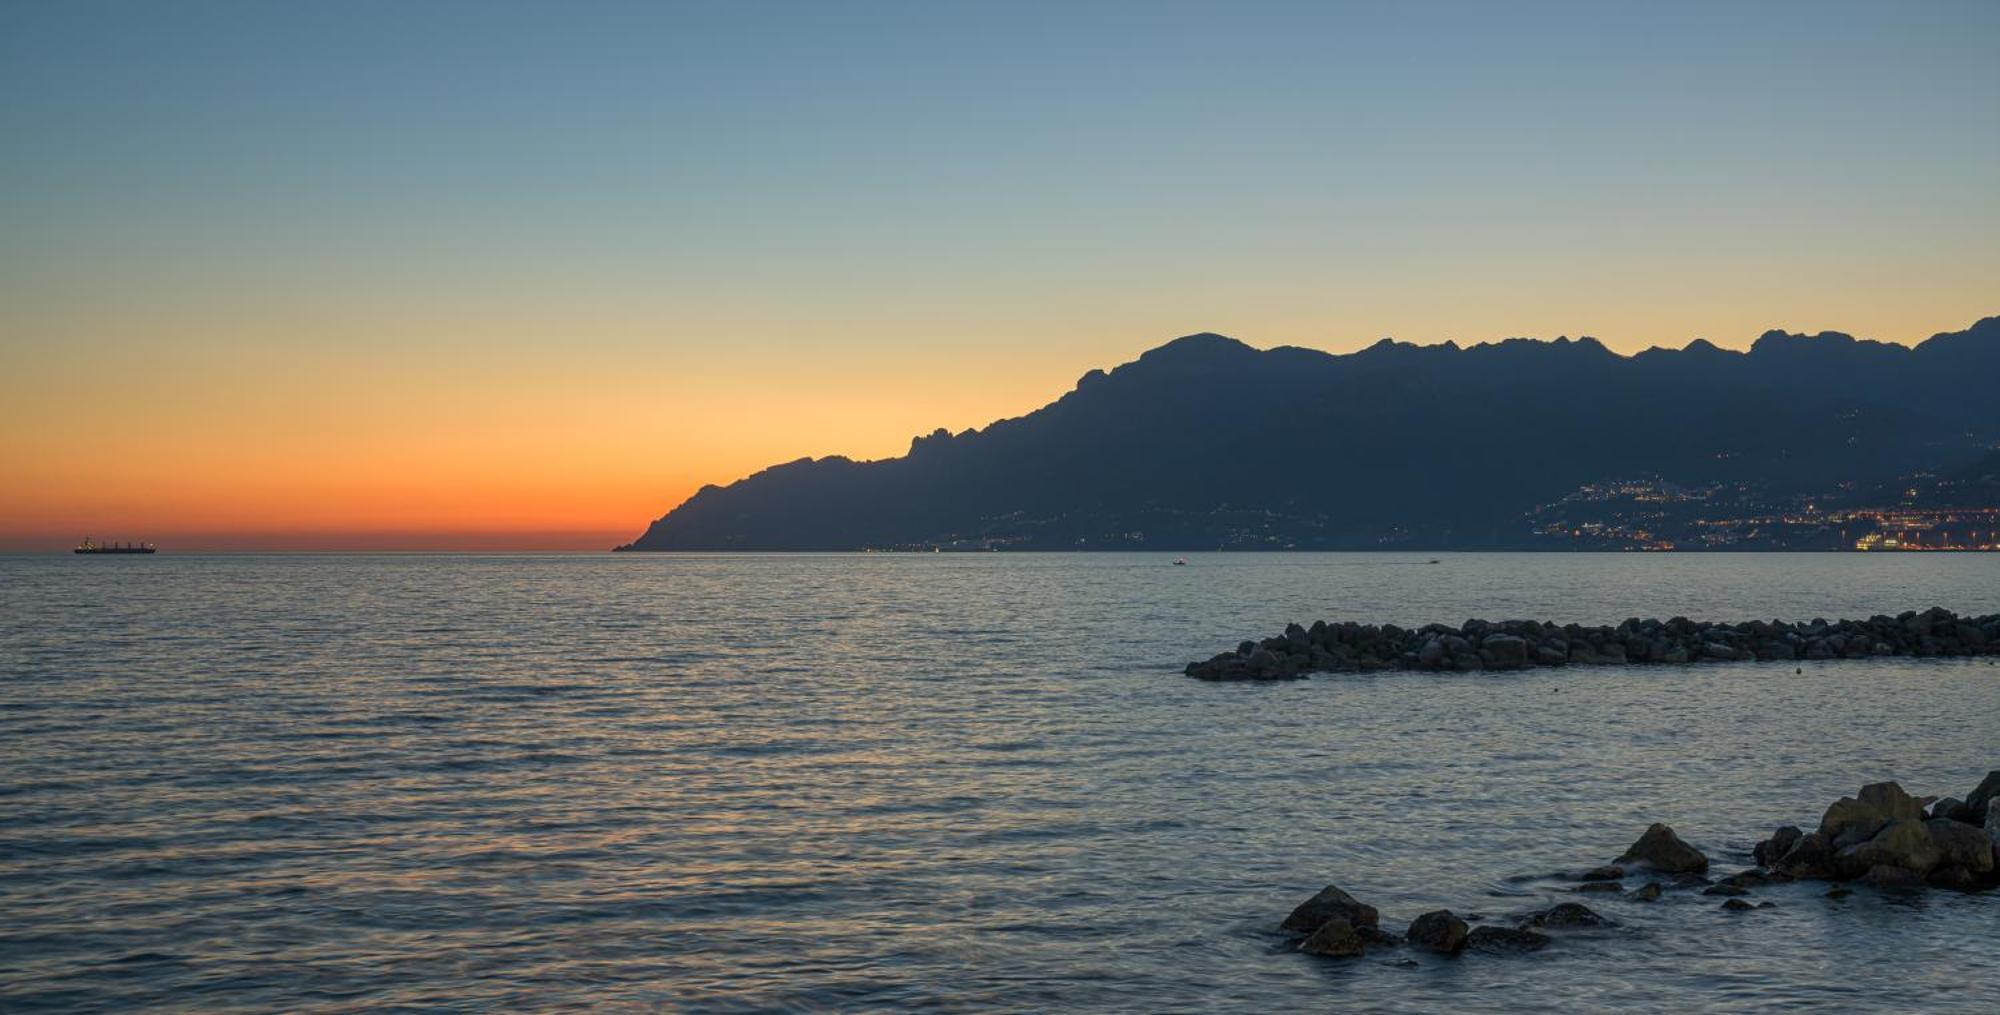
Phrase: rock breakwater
(1522, 644)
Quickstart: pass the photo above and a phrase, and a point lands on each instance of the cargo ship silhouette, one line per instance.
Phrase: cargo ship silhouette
(89, 547)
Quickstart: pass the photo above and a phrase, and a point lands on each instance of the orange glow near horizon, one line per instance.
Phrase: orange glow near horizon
(196, 441)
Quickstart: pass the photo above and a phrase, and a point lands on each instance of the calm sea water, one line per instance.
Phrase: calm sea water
(946, 782)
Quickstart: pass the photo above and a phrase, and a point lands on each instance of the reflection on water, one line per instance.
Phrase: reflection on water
(820, 781)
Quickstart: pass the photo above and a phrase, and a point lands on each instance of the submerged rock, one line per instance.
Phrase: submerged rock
(1602, 874)
(1330, 904)
(1662, 850)
(1335, 938)
(1737, 905)
(1439, 931)
(1505, 940)
(1888, 876)
(1567, 915)
(1955, 878)
(1377, 936)
(1648, 892)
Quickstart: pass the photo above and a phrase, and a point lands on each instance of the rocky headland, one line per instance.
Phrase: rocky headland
(1348, 647)
(1881, 838)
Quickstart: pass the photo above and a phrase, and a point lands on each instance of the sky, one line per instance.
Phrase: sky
(524, 276)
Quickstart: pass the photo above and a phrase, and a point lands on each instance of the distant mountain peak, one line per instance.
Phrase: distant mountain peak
(1198, 347)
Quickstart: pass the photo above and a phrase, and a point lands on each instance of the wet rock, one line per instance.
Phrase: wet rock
(1602, 874)
(1504, 652)
(1747, 879)
(1439, 931)
(1737, 905)
(1993, 821)
(1891, 802)
(1566, 915)
(1335, 938)
(1848, 821)
(1648, 892)
(1961, 845)
(1432, 654)
(1725, 888)
(1773, 849)
(1949, 808)
(1505, 940)
(1330, 904)
(1904, 843)
(1600, 886)
(1810, 858)
(1953, 877)
(1377, 936)
(1886, 876)
(1662, 850)
(1980, 800)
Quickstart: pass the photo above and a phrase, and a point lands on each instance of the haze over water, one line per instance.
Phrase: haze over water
(854, 782)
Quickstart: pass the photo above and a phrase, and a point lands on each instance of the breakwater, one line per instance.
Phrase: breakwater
(1522, 644)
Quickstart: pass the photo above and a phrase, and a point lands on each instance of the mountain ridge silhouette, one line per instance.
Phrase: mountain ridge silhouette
(1205, 441)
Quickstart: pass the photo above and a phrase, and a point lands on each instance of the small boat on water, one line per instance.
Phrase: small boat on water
(1180, 561)
(87, 546)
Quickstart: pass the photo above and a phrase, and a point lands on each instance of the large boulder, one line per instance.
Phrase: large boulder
(1982, 796)
(1330, 904)
(1662, 850)
(1961, 845)
(1993, 821)
(1904, 843)
(1889, 799)
(1335, 938)
(1849, 821)
(1439, 931)
(1433, 654)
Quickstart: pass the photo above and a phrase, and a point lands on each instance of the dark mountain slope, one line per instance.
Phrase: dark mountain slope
(1205, 441)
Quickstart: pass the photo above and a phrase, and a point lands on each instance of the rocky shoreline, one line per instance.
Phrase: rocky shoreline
(1882, 838)
(1523, 644)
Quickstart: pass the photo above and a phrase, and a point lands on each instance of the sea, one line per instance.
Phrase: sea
(943, 782)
